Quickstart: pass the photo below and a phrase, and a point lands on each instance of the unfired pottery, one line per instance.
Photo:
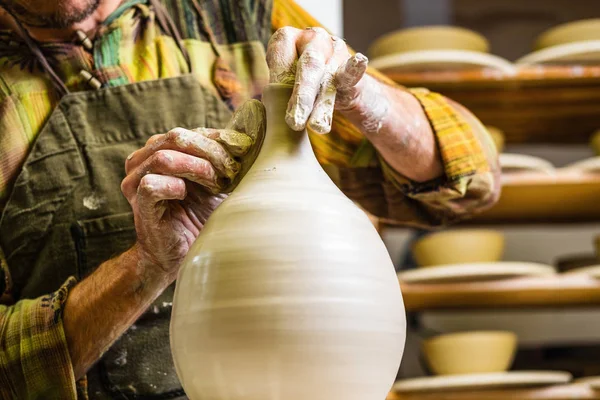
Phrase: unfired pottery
(576, 31)
(441, 60)
(288, 293)
(470, 352)
(475, 272)
(459, 247)
(498, 380)
(428, 38)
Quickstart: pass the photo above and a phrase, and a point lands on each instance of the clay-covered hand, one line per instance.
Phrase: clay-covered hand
(322, 70)
(177, 179)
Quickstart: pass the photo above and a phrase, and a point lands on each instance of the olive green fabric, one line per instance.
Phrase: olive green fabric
(66, 214)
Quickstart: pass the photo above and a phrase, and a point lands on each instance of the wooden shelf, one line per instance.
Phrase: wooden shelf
(536, 292)
(540, 104)
(546, 199)
(560, 392)
(540, 199)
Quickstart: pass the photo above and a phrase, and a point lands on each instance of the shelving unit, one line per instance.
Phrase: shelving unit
(560, 392)
(559, 291)
(549, 104)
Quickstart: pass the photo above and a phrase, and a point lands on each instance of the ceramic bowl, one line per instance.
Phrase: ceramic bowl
(577, 31)
(459, 247)
(470, 352)
(497, 136)
(428, 38)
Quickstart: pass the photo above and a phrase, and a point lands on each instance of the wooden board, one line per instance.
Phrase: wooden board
(542, 199)
(560, 392)
(552, 104)
(539, 292)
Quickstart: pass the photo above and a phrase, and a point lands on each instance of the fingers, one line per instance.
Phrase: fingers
(154, 189)
(315, 49)
(351, 72)
(250, 119)
(347, 78)
(193, 144)
(175, 164)
(282, 55)
(322, 115)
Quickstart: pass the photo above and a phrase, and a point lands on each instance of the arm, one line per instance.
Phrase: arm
(173, 184)
(409, 170)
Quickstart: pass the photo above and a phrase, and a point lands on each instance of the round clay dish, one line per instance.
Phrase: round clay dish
(428, 38)
(586, 29)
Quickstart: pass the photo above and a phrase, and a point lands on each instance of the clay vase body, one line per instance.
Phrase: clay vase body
(288, 292)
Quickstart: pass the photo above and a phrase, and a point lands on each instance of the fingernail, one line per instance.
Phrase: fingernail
(296, 116)
(321, 125)
(232, 168)
(321, 119)
(129, 157)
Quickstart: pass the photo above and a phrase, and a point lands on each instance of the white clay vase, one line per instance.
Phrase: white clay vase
(289, 292)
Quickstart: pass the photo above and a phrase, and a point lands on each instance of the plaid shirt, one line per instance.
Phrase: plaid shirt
(34, 358)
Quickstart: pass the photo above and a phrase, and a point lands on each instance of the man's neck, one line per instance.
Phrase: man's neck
(89, 25)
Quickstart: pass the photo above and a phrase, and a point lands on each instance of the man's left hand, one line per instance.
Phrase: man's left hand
(324, 74)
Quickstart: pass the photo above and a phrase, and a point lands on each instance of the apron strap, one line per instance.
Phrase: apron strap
(60, 86)
(167, 25)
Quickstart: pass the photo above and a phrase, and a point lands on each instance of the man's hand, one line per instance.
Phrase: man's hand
(177, 180)
(322, 70)
(326, 77)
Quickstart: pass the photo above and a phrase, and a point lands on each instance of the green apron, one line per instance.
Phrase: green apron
(66, 214)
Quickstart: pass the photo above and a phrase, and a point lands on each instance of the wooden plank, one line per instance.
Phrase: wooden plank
(540, 198)
(559, 392)
(550, 104)
(535, 292)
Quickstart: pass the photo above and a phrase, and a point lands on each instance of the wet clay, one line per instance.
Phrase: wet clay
(288, 292)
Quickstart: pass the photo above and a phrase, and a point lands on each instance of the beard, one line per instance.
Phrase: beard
(57, 14)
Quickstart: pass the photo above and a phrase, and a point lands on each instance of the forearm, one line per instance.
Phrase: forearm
(101, 307)
(393, 120)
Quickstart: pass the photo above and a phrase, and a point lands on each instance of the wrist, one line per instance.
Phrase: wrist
(367, 106)
(148, 275)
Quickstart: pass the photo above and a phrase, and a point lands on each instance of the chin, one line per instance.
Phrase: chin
(53, 14)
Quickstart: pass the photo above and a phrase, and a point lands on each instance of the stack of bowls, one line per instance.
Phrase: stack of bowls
(575, 42)
(465, 255)
(434, 48)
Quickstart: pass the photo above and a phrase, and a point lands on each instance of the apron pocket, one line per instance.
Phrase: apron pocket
(100, 239)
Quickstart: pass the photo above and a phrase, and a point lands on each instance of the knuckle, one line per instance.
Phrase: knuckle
(153, 139)
(313, 59)
(281, 35)
(161, 158)
(319, 31)
(180, 137)
(146, 186)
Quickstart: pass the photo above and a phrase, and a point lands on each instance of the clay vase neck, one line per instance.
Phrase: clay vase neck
(281, 142)
(285, 154)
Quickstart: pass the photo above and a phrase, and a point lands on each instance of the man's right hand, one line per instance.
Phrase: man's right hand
(178, 179)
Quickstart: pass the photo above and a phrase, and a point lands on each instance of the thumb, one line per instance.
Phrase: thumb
(249, 119)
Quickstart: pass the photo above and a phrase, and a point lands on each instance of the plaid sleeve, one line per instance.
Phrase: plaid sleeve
(34, 357)
(471, 182)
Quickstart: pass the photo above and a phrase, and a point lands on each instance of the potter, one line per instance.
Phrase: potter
(162, 87)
